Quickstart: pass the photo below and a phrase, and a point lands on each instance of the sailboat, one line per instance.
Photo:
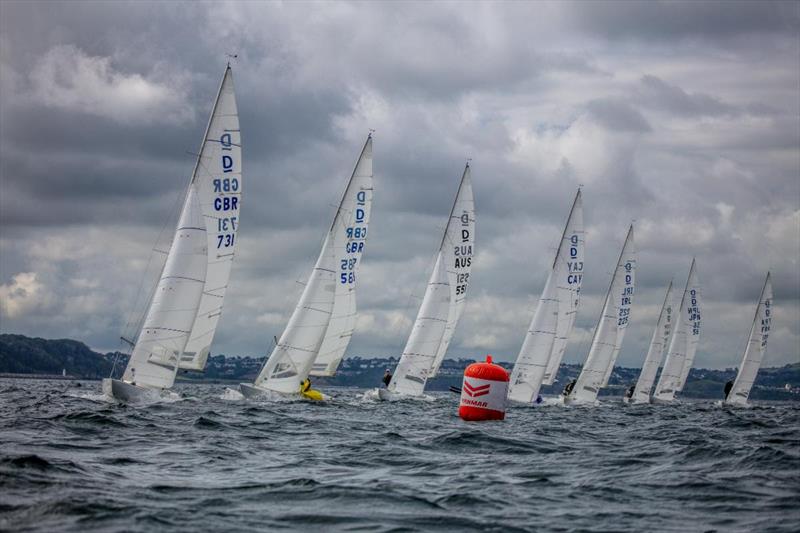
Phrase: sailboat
(755, 350)
(443, 302)
(644, 385)
(546, 339)
(325, 315)
(683, 345)
(610, 330)
(184, 311)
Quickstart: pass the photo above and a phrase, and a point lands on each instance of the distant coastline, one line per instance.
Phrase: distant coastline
(23, 357)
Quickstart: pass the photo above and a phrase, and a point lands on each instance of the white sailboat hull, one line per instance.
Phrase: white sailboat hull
(252, 391)
(129, 393)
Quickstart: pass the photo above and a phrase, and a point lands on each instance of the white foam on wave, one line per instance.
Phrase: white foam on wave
(231, 395)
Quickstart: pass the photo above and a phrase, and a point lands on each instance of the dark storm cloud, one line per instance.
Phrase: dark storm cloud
(698, 146)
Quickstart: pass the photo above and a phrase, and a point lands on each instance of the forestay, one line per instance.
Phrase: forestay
(554, 318)
(218, 178)
(756, 348)
(426, 346)
(301, 341)
(349, 232)
(172, 310)
(686, 333)
(655, 354)
(611, 327)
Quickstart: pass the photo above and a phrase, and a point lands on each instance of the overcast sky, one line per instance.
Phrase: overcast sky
(684, 117)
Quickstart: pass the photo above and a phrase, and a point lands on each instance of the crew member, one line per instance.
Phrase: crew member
(305, 385)
(387, 378)
(629, 393)
(728, 387)
(569, 387)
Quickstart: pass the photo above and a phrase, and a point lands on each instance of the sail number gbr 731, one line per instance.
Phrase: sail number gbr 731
(226, 202)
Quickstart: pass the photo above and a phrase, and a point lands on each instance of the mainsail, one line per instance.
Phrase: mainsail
(610, 328)
(644, 385)
(349, 233)
(554, 318)
(300, 343)
(218, 175)
(444, 297)
(685, 336)
(756, 348)
(180, 317)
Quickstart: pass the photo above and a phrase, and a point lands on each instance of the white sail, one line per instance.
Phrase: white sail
(218, 177)
(426, 336)
(172, 311)
(292, 359)
(655, 354)
(611, 327)
(426, 347)
(569, 286)
(756, 348)
(692, 328)
(683, 331)
(457, 250)
(350, 236)
(553, 318)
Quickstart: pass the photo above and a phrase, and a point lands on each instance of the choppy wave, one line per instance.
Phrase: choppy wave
(71, 461)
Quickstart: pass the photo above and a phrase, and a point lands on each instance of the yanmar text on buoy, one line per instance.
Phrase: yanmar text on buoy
(483, 392)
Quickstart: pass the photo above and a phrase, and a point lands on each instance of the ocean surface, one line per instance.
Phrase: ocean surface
(70, 461)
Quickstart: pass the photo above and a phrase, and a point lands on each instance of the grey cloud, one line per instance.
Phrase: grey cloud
(618, 116)
(539, 95)
(661, 95)
(668, 21)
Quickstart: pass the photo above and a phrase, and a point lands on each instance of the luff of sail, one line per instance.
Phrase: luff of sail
(416, 362)
(349, 231)
(611, 327)
(756, 348)
(457, 250)
(569, 287)
(171, 314)
(297, 349)
(218, 178)
(655, 353)
(552, 320)
(671, 374)
(426, 348)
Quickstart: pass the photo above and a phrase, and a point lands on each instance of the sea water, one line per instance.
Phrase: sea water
(72, 461)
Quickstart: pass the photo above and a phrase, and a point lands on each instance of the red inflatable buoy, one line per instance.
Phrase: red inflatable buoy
(483, 392)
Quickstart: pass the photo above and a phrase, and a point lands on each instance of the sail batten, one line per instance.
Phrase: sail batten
(553, 319)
